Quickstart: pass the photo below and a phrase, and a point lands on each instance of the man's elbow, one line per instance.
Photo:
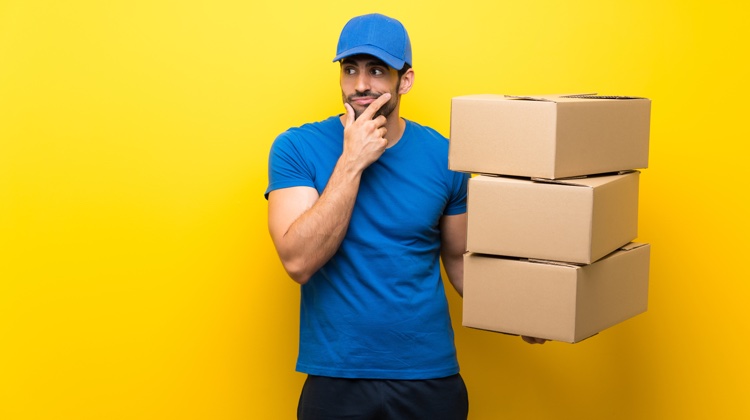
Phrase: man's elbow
(297, 271)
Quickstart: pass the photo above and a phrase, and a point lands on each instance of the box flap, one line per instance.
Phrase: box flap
(596, 96)
(564, 180)
(558, 263)
(547, 98)
(590, 181)
(631, 246)
(570, 97)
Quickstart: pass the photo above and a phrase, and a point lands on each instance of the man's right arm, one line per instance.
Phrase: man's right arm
(307, 229)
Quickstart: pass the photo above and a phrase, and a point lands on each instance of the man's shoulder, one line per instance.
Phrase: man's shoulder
(428, 138)
(320, 138)
(328, 126)
(425, 131)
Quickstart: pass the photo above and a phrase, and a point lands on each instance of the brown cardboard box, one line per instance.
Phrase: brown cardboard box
(555, 301)
(548, 136)
(572, 220)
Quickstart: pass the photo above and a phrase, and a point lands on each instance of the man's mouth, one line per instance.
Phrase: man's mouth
(362, 100)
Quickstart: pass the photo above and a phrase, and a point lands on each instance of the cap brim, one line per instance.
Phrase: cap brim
(392, 61)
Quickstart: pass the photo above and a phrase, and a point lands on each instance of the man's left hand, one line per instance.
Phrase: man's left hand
(533, 340)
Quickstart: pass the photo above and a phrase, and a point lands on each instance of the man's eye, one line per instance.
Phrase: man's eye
(349, 70)
(377, 72)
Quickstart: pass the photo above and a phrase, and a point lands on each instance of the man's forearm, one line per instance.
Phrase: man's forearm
(453, 246)
(317, 234)
(454, 268)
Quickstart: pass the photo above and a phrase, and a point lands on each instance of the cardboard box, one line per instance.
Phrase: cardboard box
(573, 220)
(548, 136)
(555, 301)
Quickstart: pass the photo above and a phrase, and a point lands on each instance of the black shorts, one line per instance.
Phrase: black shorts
(325, 398)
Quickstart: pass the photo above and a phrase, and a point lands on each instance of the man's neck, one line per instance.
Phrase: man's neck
(395, 126)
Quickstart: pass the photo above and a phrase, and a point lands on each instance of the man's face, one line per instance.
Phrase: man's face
(363, 79)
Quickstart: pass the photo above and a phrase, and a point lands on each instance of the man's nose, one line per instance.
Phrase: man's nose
(362, 83)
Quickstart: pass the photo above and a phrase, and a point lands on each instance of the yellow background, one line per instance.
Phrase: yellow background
(137, 278)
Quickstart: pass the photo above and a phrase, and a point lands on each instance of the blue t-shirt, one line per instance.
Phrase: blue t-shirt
(378, 308)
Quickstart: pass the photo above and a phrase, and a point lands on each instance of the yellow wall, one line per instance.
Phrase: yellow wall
(137, 278)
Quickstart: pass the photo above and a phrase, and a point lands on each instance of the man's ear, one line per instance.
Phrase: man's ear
(407, 81)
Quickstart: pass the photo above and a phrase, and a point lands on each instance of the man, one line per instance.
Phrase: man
(362, 207)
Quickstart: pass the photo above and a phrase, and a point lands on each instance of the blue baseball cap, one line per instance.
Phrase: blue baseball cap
(377, 35)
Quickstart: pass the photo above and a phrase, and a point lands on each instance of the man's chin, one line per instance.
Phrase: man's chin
(358, 111)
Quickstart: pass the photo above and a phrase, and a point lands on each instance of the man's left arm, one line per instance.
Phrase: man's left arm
(453, 234)
(453, 247)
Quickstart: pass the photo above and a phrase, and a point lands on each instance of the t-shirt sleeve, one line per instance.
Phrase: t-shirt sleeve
(457, 203)
(286, 164)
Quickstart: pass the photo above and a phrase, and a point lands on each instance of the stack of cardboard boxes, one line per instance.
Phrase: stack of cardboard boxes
(552, 217)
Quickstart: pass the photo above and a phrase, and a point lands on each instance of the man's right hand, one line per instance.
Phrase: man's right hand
(364, 137)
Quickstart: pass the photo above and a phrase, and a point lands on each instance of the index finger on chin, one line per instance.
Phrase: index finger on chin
(375, 105)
